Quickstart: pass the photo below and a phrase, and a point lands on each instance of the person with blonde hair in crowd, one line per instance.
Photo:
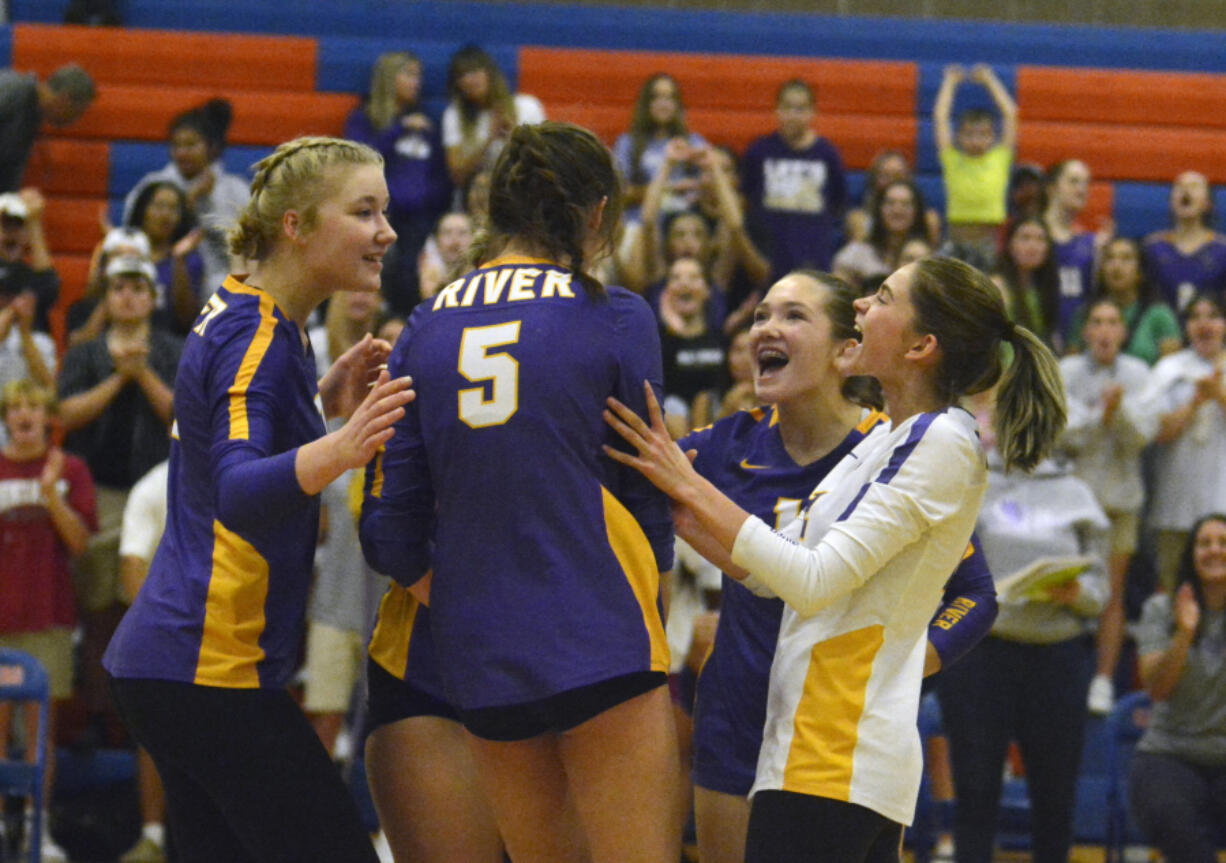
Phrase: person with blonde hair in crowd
(47, 513)
(200, 663)
(394, 122)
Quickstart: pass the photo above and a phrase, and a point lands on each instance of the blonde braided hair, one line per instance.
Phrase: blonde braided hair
(295, 176)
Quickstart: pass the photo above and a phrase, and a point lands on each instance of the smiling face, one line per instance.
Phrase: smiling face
(1029, 246)
(664, 101)
(792, 343)
(1206, 328)
(897, 208)
(1121, 269)
(1209, 554)
(345, 244)
(455, 234)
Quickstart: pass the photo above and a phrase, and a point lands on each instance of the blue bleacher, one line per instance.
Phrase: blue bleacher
(926, 41)
(344, 62)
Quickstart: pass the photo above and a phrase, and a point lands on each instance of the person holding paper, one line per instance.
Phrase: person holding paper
(1027, 681)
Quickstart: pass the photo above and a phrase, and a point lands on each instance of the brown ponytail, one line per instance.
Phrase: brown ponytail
(545, 185)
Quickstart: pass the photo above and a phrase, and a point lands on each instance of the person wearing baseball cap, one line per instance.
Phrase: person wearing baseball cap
(25, 261)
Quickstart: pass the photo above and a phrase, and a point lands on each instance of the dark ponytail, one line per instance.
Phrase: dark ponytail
(545, 184)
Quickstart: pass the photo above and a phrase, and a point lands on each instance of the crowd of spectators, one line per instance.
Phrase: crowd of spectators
(1140, 322)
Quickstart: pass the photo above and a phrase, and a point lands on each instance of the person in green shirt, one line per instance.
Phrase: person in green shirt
(1153, 328)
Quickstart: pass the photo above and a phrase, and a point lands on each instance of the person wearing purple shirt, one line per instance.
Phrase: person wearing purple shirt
(1066, 190)
(795, 186)
(1075, 265)
(393, 123)
(1190, 258)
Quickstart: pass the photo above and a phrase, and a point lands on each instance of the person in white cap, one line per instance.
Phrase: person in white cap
(25, 260)
(115, 404)
(86, 318)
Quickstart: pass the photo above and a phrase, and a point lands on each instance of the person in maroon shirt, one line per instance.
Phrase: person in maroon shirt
(46, 516)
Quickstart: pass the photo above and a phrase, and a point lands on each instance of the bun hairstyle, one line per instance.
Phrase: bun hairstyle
(964, 310)
(211, 121)
(296, 176)
(545, 185)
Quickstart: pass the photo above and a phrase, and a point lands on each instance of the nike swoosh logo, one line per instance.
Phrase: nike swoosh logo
(745, 465)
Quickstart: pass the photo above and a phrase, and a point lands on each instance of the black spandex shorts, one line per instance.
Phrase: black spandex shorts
(390, 699)
(559, 712)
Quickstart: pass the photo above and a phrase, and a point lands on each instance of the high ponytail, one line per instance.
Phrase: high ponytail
(965, 311)
(1030, 404)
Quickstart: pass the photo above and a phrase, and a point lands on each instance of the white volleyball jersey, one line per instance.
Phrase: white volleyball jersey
(862, 571)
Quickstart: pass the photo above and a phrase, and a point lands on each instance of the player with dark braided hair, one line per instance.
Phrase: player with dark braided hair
(546, 556)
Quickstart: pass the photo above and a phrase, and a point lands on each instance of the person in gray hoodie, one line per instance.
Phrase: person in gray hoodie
(1027, 681)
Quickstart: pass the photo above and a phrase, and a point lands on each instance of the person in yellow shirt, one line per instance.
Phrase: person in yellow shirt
(975, 163)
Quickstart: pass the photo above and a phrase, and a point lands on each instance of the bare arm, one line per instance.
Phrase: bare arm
(983, 74)
(941, 126)
(1161, 671)
(319, 462)
(40, 254)
(83, 408)
(69, 526)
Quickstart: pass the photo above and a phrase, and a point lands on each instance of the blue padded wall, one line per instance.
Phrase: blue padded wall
(928, 41)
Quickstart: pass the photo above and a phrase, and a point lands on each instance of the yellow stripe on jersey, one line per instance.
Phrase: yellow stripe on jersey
(251, 362)
(376, 480)
(638, 562)
(389, 644)
(866, 424)
(827, 721)
(233, 614)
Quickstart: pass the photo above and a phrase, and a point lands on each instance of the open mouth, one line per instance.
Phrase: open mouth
(770, 361)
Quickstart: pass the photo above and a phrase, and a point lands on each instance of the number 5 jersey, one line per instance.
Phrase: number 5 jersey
(545, 553)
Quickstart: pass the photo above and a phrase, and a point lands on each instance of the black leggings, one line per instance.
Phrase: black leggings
(786, 827)
(247, 780)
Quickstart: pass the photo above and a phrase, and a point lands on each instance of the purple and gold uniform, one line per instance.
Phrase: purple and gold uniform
(744, 456)
(224, 601)
(545, 553)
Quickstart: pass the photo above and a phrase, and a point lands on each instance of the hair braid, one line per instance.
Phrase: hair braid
(294, 176)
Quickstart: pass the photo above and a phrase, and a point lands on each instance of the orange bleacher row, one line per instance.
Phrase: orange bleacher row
(146, 77)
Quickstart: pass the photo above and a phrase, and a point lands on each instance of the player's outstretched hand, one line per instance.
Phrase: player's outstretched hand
(355, 443)
(370, 426)
(348, 381)
(659, 458)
